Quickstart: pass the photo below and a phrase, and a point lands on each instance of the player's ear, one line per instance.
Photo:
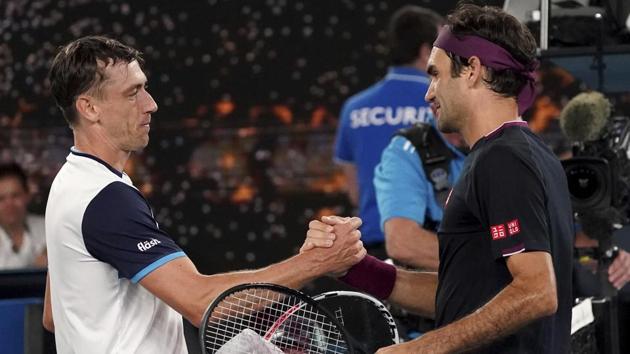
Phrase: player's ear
(474, 71)
(87, 108)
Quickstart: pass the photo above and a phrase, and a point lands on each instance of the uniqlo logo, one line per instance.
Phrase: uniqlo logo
(513, 227)
(497, 231)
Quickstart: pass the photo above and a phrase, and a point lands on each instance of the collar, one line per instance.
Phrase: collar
(76, 152)
(511, 123)
(499, 129)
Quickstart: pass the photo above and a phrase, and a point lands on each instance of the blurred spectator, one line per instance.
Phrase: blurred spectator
(22, 240)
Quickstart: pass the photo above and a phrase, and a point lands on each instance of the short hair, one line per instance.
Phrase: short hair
(409, 28)
(76, 69)
(13, 170)
(503, 29)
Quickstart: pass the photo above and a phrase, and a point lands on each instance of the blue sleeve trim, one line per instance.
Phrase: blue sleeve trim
(153, 266)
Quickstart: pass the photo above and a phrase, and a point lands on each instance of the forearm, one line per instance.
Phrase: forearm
(415, 292)
(410, 244)
(203, 289)
(514, 307)
(294, 272)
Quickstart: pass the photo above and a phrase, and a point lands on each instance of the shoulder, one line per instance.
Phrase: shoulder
(399, 159)
(117, 197)
(505, 158)
(401, 145)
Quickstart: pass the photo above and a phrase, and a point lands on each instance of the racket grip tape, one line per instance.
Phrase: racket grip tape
(372, 276)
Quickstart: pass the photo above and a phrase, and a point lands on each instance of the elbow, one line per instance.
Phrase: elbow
(549, 303)
(548, 297)
(196, 319)
(396, 251)
(403, 253)
(544, 301)
(48, 323)
(194, 314)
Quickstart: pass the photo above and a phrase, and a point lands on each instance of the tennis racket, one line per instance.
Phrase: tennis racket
(364, 317)
(268, 318)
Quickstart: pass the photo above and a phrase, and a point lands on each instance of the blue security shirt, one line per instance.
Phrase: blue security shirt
(368, 121)
(402, 187)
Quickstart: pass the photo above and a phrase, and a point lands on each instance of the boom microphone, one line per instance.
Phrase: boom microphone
(585, 116)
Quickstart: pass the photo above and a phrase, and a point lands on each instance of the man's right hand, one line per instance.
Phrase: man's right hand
(322, 233)
(336, 241)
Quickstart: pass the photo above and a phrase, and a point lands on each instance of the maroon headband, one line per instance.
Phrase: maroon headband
(492, 56)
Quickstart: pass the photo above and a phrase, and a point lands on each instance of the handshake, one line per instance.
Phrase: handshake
(334, 243)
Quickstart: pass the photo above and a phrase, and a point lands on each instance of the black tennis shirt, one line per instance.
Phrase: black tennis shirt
(511, 197)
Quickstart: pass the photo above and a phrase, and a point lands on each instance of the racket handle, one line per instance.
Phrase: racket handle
(373, 276)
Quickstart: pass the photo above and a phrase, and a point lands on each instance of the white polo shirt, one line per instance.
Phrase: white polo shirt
(102, 239)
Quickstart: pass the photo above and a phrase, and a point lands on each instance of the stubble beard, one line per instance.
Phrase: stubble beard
(447, 126)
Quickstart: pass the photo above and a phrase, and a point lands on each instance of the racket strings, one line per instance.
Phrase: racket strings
(289, 323)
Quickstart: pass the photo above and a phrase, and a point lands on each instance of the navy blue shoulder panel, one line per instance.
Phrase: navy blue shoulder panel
(118, 228)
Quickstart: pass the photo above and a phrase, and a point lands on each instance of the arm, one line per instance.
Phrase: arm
(411, 244)
(619, 271)
(530, 295)
(181, 286)
(47, 319)
(352, 184)
(404, 196)
(414, 291)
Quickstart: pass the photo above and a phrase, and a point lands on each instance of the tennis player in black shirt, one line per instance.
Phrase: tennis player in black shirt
(504, 279)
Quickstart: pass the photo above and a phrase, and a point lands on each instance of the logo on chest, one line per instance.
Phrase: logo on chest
(504, 230)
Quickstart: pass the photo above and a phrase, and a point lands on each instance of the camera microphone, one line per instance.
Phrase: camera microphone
(585, 116)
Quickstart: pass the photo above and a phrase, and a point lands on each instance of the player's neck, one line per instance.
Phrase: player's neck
(486, 118)
(101, 146)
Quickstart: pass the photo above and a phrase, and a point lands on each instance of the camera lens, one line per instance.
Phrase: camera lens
(584, 182)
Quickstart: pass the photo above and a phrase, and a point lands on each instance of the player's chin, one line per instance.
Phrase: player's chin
(446, 127)
(141, 143)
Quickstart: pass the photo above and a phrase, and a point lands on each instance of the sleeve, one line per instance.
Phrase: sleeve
(511, 201)
(119, 229)
(343, 140)
(401, 187)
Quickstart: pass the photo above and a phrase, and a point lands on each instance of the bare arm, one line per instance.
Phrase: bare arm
(530, 295)
(410, 244)
(352, 187)
(415, 291)
(47, 319)
(181, 286)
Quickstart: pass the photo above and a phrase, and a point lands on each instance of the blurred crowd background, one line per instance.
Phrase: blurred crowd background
(249, 93)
